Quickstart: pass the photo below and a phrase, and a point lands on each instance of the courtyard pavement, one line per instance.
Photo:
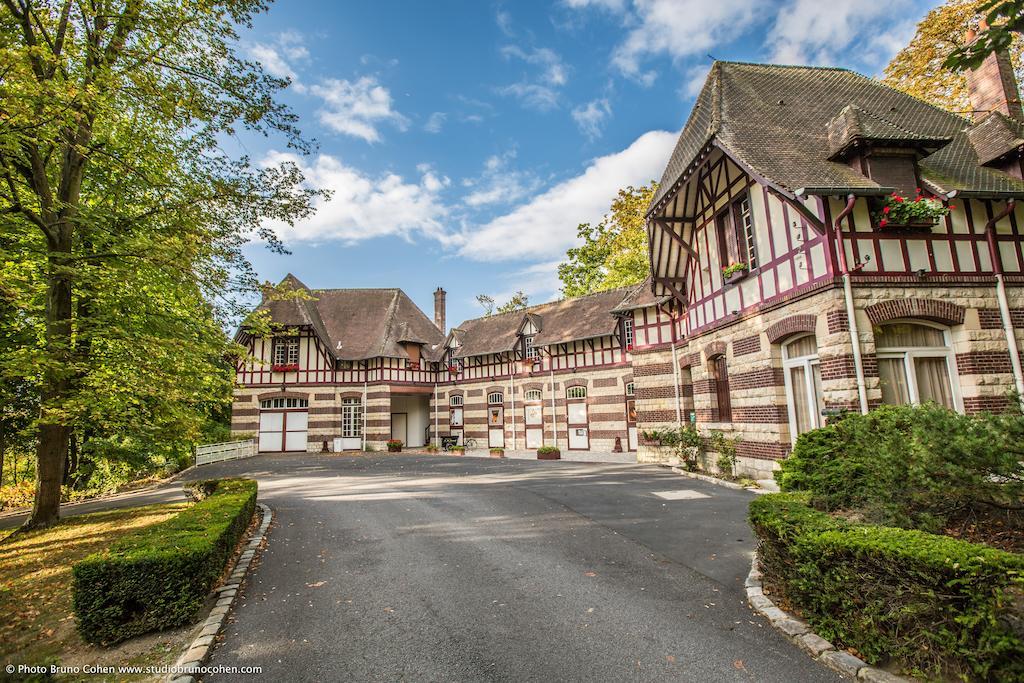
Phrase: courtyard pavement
(426, 567)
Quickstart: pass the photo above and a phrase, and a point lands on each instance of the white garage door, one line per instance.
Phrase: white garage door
(283, 430)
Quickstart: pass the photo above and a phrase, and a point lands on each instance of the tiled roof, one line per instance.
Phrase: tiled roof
(994, 136)
(641, 297)
(585, 317)
(775, 120)
(357, 324)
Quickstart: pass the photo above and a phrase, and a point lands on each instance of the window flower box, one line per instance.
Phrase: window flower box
(896, 213)
(734, 272)
(453, 369)
(284, 367)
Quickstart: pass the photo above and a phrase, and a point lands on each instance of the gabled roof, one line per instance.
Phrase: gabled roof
(854, 125)
(584, 317)
(775, 120)
(357, 324)
(641, 297)
(994, 136)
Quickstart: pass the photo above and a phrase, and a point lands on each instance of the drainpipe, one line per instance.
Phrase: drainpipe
(364, 406)
(437, 438)
(858, 362)
(512, 393)
(675, 383)
(1004, 306)
(554, 418)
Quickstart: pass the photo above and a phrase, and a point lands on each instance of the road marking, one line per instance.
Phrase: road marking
(682, 494)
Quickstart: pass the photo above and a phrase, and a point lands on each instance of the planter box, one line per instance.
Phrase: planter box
(919, 226)
(557, 455)
(735, 276)
(394, 449)
(497, 454)
(284, 368)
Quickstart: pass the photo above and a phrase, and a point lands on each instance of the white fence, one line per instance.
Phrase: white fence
(230, 450)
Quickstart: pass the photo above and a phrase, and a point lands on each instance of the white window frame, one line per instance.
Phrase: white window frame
(286, 351)
(745, 215)
(627, 330)
(495, 398)
(530, 351)
(909, 353)
(533, 395)
(630, 389)
(284, 403)
(807, 363)
(351, 418)
(575, 392)
(456, 401)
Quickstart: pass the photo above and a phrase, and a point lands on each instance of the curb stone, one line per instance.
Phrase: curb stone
(799, 632)
(199, 649)
(718, 482)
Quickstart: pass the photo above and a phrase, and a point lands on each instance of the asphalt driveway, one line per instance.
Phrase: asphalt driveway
(462, 569)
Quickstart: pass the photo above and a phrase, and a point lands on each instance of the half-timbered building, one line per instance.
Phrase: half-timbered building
(781, 169)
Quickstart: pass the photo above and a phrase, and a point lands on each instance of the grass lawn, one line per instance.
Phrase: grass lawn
(38, 624)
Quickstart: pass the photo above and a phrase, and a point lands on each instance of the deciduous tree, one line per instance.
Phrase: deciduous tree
(614, 252)
(115, 182)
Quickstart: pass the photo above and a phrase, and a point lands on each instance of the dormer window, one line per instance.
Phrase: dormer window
(529, 350)
(285, 354)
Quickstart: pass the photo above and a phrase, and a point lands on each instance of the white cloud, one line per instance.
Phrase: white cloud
(357, 107)
(539, 97)
(504, 21)
(499, 183)
(540, 92)
(362, 207)
(279, 56)
(810, 31)
(545, 227)
(592, 117)
(435, 122)
(555, 72)
(611, 5)
(694, 80)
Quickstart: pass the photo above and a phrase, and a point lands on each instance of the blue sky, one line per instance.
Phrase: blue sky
(464, 142)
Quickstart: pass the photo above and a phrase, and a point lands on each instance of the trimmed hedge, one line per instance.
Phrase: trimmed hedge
(159, 577)
(941, 605)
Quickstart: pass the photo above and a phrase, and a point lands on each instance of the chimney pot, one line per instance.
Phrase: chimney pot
(439, 309)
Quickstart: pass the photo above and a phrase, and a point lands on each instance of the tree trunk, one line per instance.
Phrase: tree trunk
(54, 434)
(3, 457)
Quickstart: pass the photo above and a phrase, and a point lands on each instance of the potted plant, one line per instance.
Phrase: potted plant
(394, 445)
(549, 453)
(497, 452)
(284, 367)
(897, 213)
(735, 271)
(431, 448)
(458, 450)
(453, 369)
(650, 438)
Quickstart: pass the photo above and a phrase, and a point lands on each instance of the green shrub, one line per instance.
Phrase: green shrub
(548, 450)
(159, 577)
(942, 605)
(911, 467)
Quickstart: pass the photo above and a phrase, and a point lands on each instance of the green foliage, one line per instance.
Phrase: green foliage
(911, 467)
(516, 302)
(939, 604)
(899, 210)
(734, 268)
(726, 449)
(159, 577)
(614, 252)
(548, 450)
(921, 68)
(1006, 18)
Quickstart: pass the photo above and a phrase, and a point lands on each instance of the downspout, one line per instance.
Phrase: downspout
(437, 409)
(1004, 306)
(365, 373)
(554, 417)
(675, 374)
(512, 392)
(858, 362)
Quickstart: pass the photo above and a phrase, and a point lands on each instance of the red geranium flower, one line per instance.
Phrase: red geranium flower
(882, 223)
(885, 209)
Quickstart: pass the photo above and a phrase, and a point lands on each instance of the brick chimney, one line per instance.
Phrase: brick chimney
(439, 295)
(993, 85)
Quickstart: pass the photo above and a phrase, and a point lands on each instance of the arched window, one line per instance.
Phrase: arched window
(532, 395)
(351, 418)
(495, 399)
(630, 390)
(576, 392)
(803, 384)
(455, 400)
(916, 364)
(284, 403)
